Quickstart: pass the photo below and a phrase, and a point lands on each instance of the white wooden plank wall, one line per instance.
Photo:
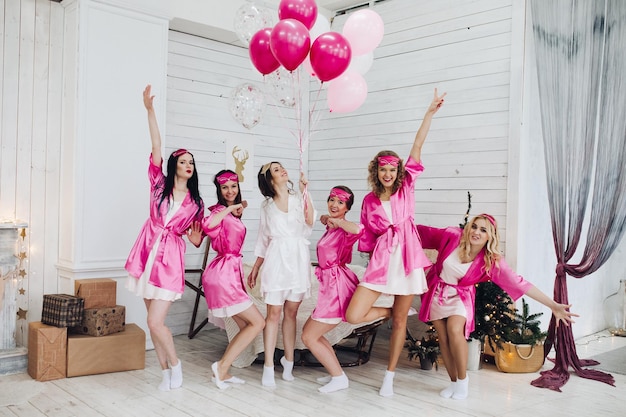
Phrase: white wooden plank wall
(31, 35)
(462, 48)
(201, 76)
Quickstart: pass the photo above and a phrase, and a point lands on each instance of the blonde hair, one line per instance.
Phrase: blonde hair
(492, 250)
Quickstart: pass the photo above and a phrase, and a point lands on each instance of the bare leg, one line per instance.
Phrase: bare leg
(251, 323)
(313, 337)
(270, 333)
(160, 333)
(163, 343)
(401, 305)
(290, 321)
(451, 332)
(360, 309)
(400, 311)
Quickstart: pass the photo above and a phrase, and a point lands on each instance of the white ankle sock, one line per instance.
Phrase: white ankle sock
(165, 382)
(216, 378)
(448, 391)
(461, 390)
(177, 375)
(386, 390)
(268, 377)
(287, 369)
(336, 383)
(324, 379)
(235, 380)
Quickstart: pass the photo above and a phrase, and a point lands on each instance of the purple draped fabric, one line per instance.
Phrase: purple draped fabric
(582, 81)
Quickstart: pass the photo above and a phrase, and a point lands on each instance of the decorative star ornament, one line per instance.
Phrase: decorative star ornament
(21, 314)
(22, 256)
(22, 291)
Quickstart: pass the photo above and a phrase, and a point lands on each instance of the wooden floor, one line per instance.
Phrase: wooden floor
(134, 393)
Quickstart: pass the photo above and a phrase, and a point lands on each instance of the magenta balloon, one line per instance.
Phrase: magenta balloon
(261, 53)
(290, 43)
(304, 11)
(330, 55)
(346, 93)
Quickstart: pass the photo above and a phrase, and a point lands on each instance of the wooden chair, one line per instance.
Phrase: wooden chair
(193, 330)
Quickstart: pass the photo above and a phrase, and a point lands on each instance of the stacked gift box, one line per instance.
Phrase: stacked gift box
(84, 334)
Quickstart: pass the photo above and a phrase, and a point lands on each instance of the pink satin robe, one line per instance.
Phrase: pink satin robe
(380, 236)
(446, 241)
(222, 279)
(337, 281)
(168, 270)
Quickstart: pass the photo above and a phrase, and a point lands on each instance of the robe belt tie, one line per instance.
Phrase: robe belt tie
(443, 294)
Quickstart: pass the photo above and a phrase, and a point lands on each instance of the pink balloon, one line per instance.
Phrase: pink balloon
(290, 43)
(330, 55)
(346, 93)
(260, 52)
(304, 11)
(364, 29)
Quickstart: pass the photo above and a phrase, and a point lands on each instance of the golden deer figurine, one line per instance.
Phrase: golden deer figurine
(240, 161)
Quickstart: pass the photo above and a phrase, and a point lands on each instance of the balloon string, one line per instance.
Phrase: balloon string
(278, 111)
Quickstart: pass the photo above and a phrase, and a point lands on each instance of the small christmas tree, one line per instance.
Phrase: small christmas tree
(494, 314)
(426, 349)
(525, 329)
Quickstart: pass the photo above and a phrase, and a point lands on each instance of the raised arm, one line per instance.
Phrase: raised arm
(420, 136)
(309, 211)
(155, 136)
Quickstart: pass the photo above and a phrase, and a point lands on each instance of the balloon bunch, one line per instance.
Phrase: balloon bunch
(302, 37)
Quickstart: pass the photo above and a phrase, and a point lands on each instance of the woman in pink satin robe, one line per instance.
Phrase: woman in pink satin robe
(222, 279)
(156, 264)
(397, 261)
(336, 285)
(465, 258)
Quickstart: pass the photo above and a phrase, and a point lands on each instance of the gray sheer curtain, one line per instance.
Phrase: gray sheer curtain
(581, 67)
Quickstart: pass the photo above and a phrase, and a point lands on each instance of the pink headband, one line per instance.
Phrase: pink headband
(489, 217)
(179, 152)
(388, 160)
(227, 176)
(340, 194)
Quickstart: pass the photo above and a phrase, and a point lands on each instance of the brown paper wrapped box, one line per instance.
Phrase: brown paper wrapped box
(97, 292)
(123, 351)
(62, 310)
(47, 347)
(102, 321)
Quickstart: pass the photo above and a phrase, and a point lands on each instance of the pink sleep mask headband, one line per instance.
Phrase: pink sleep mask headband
(388, 160)
(340, 194)
(179, 152)
(489, 217)
(227, 176)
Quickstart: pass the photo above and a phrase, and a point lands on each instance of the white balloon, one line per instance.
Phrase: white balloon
(361, 63)
(247, 103)
(321, 25)
(249, 19)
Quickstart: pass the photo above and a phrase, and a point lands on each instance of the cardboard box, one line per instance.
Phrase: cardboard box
(62, 310)
(98, 292)
(47, 347)
(123, 351)
(102, 321)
